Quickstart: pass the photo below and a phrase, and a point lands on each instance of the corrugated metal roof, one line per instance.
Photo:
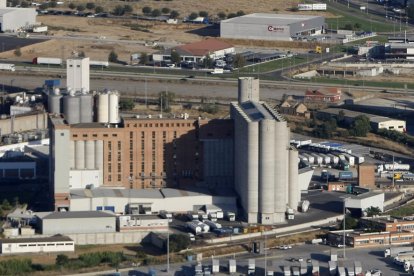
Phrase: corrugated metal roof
(269, 19)
(57, 238)
(78, 214)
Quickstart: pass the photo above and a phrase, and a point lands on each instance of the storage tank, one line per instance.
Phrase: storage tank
(113, 107)
(294, 192)
(71, 108)
(86, 107)
(90, 155)
(55, 101)
(248, 89)
(99, 159)
(252, 190)
(71, 154)
(103, 108)
(281, 169)
(266, 167)
(80, 155)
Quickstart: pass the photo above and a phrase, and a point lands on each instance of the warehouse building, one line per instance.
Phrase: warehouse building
(364, 201)
(54, 223)
(15, 19)
(266, 26)
(266, 168)
(37, 245)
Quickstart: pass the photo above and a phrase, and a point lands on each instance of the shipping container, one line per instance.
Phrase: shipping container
(286, 271)
(334, 158)
(318, 159)
(350, 159)
(39, 29)
(252, 267)
(332, 268)
(346, 175)
(98, 63)
(52, 83)
(394, 251)
(215, 267)
(47, 60)
(311, 159)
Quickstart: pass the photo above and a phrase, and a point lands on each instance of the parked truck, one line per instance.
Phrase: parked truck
(394, 251)
(358, 268)
(286, 271)
(393, 167)
(7, 67)
(350, 159)
(166, 215)
(215, 267)
(252, 267)
(47, 61)
(39, 29)
(97, 63)
(334, 158)
(194, 227)
(231, 216)
(192, 216)
(213, 225)
(232, 266)
(315, 268)
(343, 165)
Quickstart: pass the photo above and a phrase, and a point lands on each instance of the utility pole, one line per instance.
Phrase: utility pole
(344, 227)
(146, 102)
(168, 251)
(265, 251)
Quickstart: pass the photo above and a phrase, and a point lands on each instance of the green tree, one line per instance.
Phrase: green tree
(360, 126)
(203, 14)
(175, 57)
(5, 205)
(240, 13)
(348, 26)
(18, 52)
(143, 58)
(90, 5)
(350, 223)
(71, 6)
(179, 242)
(155, 13)
(80, 8)
(52, 4)
(113, 57)
(340, 119)
(372, 211)
(165, 99)
(165, 10)
(126, 104)
(207, 61)
(118, 10)
(174, 14)
(146, 10)
(61, 260)
(239, 61)
(99, 9)
(44, 6)
(357, 26)
(221, 15)
(231, 15)
(192, 16)
(128, 9)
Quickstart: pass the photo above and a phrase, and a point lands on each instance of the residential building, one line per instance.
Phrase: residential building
(323, 95)
(293, 107)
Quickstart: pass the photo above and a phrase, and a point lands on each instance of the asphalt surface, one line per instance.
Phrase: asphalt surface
(8, 43)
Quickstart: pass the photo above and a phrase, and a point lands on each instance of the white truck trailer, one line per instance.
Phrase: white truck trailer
(334, 158)
(232, 266)
(394, 251)
(252, 267)
(7, 67)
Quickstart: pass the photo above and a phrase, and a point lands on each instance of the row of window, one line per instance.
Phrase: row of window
(160, 125)
(45, 244)
(94, 135)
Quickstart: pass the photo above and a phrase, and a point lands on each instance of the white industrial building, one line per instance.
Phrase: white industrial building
(365, 200)
(141, 223)
(267, 26)
(146, 201)
(54, 223)
(266, 167)
(37, 245)
(77, 74)
(14, 19)
(379, 122)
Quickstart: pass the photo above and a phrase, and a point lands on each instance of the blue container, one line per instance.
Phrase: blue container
(190, 258)
(345, 175)
(52, 83)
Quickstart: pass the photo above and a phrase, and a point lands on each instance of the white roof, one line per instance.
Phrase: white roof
(9, 10)
(269, 18)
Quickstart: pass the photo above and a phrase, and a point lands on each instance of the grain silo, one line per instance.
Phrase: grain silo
(281, 167)
(102, 107)
(71, 154)
(71, 108)
(113, 107)
(80, 155)
(99, 159)
(90, 155)
(86, 107)
(55, 101)
(248, 89)
(294, 191)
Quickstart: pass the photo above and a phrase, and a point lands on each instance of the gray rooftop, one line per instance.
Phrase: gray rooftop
(256, 111)
(77, 214)
(352, 114)
(365, 195)
(57, 238)
(269, 19)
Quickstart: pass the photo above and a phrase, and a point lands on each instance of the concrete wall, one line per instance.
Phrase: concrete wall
(37, 247)
(23, 123)
(108, 238)
(78, 225)
(59, 162)
(79, 179)
(18, 18)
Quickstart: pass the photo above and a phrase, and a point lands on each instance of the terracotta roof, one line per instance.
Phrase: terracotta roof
(324, 91)
(202, 48)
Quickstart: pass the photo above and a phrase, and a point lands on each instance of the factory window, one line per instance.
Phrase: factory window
(161, 125)
(131, 167)
(131, 155)
(142, 167)
(78, 66)
(109, 145)
(142, 145)
(71, 66)
(110, 178)
(188, 124)
(131, 145)
(142, 135)
(95, 135)
(119, 156)
(153, 166)
(62, 134)
(85, 135)
(109, 156)
(145, 125)
(135, 125)
(175, 134)
(153, 135)
(131, 135)
(127, 125)
(114, 135)
(167, 124)
(164, 134)
(150, 125)
(109, 168)
(74, 135)
(156, 125)
(119, 177)
(105, 135)
(119, 145)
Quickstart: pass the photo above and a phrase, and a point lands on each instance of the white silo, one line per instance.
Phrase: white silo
(86, 107)
(90, 155)
(71, 154)
(248, 89)
(102, 108)
(99, 159)
(80, 155)
(294, 191)
(113, 107)
(71, 108)
(252, 179)
(54, 101)
(266, 170)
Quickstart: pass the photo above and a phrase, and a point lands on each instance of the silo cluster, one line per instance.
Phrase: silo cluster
(55, 101)
(266, 168)
(107, 106)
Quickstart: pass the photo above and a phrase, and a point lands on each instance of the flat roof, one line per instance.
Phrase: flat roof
(77, 214)
(365, 195)
(57, 238)
(350, 113)
(269, 18)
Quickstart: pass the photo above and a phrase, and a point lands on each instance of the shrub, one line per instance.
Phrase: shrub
(165, 10)
(113, 57)
(146, 10)
(155, 13)
(90, 6)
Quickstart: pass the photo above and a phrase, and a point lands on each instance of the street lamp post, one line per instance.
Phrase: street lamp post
(344, 244)
(168, 251)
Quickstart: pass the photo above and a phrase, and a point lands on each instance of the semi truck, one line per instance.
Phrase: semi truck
(194, 227)
(393, 167)
(343, 165)
(7, 67)
(213, 225)
(350, 159)
(232, 266)
(231, 216)
(334, 159)
(47, 61)
(394, 251)
(252, 267)
(215, 267)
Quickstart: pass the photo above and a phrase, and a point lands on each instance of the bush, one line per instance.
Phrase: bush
(179, 242)
(52, 4)
(99, 9)
(209, 108)
(231, 15)
(143, 58)
(165, 10)
(24, 4)
(128, 9)
(62, 260)
(396, 136)
(80, 8)
(90, 6)
(118, 10)
(360, 126)
(155, 13)
(72, 6)
(203, 14)
(16, 267)
(240, 13)
(146, 10)
(126, 104)
(221, 15)
(192, 16)
(18, 52)
(113, 57)
(174, 14)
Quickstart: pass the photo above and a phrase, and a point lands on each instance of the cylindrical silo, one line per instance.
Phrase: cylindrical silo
(248, 89)
(103, 108)
(294, 192)
(55, 101)
(281, 169)
(71, 154)
(80, 155)
(86, 107)
(266, 170)
(99, 159)
(71, 108)
(90, 155)
(113, 108)
(252, 168)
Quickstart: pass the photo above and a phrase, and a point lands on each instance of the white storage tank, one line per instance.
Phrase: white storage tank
(86, 107)
(90, 155)
(54, 101)
(80, 155)
(71, 108)
(103, 108)
(113, 107)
